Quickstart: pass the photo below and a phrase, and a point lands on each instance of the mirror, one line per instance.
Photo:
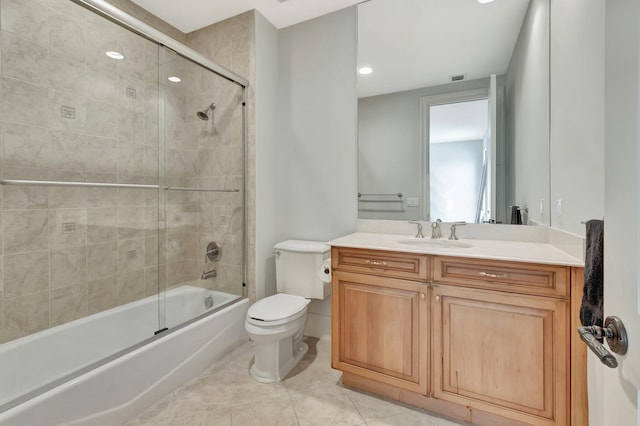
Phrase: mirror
(453, 115)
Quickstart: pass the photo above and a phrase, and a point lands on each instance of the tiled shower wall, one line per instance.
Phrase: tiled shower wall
(68, 112)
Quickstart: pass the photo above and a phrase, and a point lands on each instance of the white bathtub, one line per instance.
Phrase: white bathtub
(116, 391)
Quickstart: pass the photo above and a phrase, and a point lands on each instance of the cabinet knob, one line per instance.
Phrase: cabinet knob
(438, 299)
(423, 296)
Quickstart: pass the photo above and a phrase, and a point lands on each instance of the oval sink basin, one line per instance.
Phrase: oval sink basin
(426, 242)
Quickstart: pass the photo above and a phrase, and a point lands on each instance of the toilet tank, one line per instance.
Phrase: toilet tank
(298, 266)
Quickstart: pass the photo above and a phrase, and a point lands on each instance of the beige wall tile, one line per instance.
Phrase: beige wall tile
(68, 304)
(25, 231)
(67, 34)
(131, 286)
(23, 59)
(68, 267)
(59, 101)
(26, 274)
(101, 225)
(26, 315)
(131, 222)
(66, 72)
(26, 18)
(59, 222)
(24, 197)
(131, 255)
(67, 197)
(103, 294)
(102, 260)
(67, 151)
(17, 105)
(102, 155)
(102, 121)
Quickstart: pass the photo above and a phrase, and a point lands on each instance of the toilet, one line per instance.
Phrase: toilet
(276, 323)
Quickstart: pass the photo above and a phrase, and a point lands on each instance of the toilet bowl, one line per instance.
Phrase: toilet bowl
(276, 325)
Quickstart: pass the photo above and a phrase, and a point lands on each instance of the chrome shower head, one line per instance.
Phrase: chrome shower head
(204, 115)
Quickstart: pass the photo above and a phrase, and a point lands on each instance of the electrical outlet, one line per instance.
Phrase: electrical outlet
(412, 202)
(541, 206)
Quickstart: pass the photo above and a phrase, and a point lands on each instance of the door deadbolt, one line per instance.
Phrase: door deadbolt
(616, 336)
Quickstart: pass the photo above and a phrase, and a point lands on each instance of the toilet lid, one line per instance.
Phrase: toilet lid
(277, 307)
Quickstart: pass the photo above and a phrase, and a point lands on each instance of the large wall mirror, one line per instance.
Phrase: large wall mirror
(453, 110)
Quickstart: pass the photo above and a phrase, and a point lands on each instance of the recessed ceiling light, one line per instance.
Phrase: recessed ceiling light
(174, 79)
(485, 1)
(365, 70)
(114, 55)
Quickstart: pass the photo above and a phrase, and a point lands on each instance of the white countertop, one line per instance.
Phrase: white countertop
(533, 252)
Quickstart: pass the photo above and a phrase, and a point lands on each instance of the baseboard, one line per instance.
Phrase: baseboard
(318, 326)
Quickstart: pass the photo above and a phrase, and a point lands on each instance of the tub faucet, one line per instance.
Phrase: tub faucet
(419, 234)
(436, 232)
(209, 274)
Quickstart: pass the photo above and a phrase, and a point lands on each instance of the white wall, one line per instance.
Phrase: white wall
(527, 114)
(577, 132)
(577, 112)
(270, 221)
(315, 164)
(317, 125)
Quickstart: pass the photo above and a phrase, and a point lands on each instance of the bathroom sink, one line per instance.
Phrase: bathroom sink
(426, 242)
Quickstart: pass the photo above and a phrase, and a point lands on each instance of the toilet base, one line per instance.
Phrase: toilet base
(266, 376)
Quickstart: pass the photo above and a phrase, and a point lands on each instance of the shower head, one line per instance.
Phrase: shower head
(204, 115)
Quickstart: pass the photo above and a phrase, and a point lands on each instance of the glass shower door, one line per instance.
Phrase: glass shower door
(202, 210)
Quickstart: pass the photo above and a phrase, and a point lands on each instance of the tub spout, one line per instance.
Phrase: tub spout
(209, 274)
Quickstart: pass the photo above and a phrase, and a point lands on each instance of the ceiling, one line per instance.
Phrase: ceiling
(190, 15)
(421, 43)
(408, 43)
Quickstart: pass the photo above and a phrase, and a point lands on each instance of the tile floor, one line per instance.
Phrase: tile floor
(312, 394)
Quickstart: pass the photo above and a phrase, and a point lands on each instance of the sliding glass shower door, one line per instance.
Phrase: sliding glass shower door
(202, 169)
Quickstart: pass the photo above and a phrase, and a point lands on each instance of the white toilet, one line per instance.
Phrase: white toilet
(276, 323)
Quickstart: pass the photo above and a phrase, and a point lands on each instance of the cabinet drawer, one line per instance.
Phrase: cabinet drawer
(526, 278)
(382, 263)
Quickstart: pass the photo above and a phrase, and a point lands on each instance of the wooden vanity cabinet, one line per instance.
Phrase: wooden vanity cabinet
(381, 317)
(502, 353)
(490, 345)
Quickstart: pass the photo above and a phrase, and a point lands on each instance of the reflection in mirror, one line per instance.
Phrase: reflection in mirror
(453, 117)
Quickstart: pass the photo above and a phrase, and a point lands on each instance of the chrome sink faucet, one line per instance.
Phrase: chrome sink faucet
(419, 234)
(454, 225)
(436, 232)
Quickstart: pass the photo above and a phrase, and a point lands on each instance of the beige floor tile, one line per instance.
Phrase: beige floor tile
(326, 405)
(270, 412)
(405, 419)
(442, 421)
(373, 407)
(311, 394)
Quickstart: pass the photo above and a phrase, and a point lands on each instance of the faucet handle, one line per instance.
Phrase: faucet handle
(454, 226)
(419, 233)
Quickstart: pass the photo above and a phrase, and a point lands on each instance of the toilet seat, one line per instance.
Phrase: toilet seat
(277, 309)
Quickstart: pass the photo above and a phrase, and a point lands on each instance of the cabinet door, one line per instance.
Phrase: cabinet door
(501, 353)
(380, 329)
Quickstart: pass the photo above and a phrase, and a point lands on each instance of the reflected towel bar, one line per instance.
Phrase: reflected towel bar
(104, 185)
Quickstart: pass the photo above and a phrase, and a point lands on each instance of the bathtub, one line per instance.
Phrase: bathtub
(104, 381)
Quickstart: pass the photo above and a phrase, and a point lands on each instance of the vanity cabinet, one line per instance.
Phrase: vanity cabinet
(484, 341)
(502, 353)
(381, 318)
